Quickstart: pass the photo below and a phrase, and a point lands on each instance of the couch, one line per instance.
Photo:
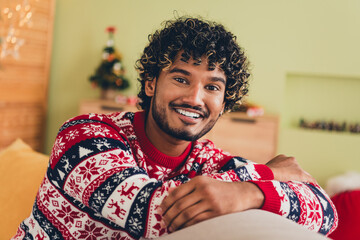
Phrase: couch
(21, 172)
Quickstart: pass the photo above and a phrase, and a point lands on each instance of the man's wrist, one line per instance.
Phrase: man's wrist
(251, 195)
(257, 196)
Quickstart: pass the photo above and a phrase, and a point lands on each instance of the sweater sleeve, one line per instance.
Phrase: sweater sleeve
(304, 203)
(93, 166)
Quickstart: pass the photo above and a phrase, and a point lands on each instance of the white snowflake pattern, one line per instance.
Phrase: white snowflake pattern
(294, 206)
(188, 165)
(293, 217)
(93, 115)
(288, 191)
(107, 188)
(58, 147)
(159, 171)
(46, 227)
(37, 216)
(207, 156)
(95, 130)
(119, 177)
(135, 224)
(56, 236)
(72, 134)
(99, 198)
(138, 210)
(144, 194)
(244, 175)
(99, 143)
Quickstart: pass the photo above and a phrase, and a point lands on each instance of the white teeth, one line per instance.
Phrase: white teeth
(188, 114)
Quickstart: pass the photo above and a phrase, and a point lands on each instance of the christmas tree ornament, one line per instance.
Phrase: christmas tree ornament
(110, 75)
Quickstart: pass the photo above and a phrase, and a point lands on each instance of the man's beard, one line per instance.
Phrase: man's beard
(159, 115)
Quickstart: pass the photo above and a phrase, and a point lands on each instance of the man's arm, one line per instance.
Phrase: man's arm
(204, 198)
(92, 165)
(304, 203)
(92, 162)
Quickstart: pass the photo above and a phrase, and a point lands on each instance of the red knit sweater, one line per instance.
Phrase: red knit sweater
(106, 180)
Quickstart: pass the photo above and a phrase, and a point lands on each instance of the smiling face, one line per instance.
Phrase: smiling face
(187, 100)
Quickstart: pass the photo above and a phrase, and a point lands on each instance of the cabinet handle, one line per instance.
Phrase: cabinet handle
(244, 120)
(107, 108)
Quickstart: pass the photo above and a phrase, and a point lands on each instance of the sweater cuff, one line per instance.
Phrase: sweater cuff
(264, 172)
(271, 196)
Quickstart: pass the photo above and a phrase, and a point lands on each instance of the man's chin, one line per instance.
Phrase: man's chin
(182, 135)
(189, 135)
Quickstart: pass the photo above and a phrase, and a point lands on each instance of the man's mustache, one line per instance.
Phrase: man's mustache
(197, 108)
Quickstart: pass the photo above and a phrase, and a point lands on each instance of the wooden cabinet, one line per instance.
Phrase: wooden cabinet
(24, 81)
(104, 106)
(254, 138)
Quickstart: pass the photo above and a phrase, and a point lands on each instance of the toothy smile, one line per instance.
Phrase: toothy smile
(187, 114)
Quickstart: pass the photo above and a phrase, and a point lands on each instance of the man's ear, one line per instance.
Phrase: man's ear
(150, 87)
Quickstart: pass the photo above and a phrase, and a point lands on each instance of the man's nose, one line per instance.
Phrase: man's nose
(194, 96)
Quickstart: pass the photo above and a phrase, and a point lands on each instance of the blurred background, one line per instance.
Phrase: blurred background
(304, 58)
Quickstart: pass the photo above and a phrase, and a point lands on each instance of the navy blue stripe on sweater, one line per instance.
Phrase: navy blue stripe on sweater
(328, 211)
(78, 153)
(102, 193)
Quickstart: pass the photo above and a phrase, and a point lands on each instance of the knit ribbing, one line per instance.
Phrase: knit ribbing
(271, 201)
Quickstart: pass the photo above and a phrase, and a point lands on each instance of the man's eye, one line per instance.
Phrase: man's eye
(180, 80)
(213, 88)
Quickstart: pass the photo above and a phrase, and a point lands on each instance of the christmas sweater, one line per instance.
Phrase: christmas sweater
(105, 180)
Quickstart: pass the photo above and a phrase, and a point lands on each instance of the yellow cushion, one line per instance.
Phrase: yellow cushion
(21, 172)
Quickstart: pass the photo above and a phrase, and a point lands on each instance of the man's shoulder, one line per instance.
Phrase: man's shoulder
(115, 119)
(121, 118)
(207, 146)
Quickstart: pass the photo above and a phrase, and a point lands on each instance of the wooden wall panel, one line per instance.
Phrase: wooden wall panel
(24, 81)
(22, 120)
(27, 74)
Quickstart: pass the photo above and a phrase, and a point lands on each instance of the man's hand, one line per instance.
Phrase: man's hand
(287, 169)
(203, 198)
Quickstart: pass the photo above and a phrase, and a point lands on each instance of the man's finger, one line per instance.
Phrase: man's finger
(174, 195)
(188, 214)
(179, 210)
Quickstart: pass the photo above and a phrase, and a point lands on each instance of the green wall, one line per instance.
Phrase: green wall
(281, 38)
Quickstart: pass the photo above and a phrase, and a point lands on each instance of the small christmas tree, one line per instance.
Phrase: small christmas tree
(110, 73)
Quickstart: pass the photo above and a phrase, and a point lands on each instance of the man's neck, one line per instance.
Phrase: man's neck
(163, 142)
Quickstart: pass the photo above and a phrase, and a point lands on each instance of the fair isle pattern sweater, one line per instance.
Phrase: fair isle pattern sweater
(105, 180)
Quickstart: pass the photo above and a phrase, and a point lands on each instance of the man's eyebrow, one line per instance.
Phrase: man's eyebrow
(218, 79)
(213, 79)
(179, 70)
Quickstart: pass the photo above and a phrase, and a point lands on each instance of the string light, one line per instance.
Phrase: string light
(14, 17)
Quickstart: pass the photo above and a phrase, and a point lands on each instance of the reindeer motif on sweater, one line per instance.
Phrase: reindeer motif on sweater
(129, 192)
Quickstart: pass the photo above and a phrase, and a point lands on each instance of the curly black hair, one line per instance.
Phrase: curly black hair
(196, 38)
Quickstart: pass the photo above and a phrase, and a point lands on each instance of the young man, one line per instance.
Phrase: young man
(127, 176)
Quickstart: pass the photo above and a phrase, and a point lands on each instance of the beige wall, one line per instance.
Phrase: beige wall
(281, 37)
